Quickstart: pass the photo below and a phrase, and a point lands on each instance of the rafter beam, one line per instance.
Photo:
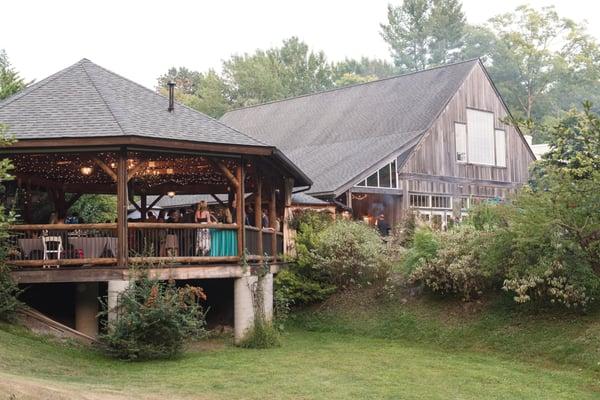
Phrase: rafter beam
(136, 168)
(226, 172)
(107, 169)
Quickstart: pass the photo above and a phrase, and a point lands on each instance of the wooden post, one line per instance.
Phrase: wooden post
(240, 209)
(258, 214)
(144, 206)
(272, 219)
(122, 248)
(288, 241)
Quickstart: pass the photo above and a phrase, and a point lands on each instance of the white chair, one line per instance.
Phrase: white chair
(52, 245)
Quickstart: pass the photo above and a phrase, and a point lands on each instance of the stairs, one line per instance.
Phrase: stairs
(39, 323)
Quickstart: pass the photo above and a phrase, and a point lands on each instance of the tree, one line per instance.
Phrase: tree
(96, 208)
(9, 290)
(276, 73)
(364, 67)
(542, 64)
(446, 30)
(424, 33)
(10, 81)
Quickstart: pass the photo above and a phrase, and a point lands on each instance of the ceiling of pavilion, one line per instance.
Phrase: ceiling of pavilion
(151, 173)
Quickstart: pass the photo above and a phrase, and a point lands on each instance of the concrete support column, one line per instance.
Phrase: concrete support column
(115, 288)
(267, 287)
(243, 310)
(86, 308)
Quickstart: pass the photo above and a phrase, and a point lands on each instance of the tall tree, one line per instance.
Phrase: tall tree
(446, 30)
(407, 34)
(424, 33)
(542, 64)
(276, 73)
(10, 81)
(364, 67)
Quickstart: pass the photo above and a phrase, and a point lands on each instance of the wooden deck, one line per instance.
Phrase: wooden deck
(99, 274)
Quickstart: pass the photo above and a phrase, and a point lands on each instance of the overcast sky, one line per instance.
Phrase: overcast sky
(142, 39)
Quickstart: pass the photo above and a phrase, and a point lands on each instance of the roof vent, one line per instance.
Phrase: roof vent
(171, 96)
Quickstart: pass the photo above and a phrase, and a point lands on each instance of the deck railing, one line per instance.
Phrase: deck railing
(148, 242)
(60, 244)
(182, 242)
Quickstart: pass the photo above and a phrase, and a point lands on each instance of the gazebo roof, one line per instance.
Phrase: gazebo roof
(86, 100)
(88, 105)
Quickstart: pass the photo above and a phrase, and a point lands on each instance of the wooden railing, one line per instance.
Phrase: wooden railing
(62, 244)
(272, 243)
(182, 242)
(153, 243)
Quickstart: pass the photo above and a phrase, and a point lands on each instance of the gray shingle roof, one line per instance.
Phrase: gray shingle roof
(86, 100)
(337, 135)
(306, 199)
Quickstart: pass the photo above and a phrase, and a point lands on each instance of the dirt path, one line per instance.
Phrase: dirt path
(20, 388)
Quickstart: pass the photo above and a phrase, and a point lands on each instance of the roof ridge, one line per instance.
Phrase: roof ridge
(37, 85)
(100, 94)
(356, 84)
(178, 103)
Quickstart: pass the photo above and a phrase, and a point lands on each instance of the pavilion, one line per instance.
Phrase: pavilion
(87, 130)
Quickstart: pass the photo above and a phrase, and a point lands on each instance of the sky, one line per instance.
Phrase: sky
(142, 39)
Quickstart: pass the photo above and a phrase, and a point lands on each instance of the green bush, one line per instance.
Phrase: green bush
(424, 247)
(457, 267)
(298, 289)
(154, 320)
(350, 254)
(262, 335)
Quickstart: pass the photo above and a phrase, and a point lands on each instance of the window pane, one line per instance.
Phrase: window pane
(361, 183)
(394, 183)
(372, 180)
(480, 133)
(460, 134)
(384, 176)
(500, 148)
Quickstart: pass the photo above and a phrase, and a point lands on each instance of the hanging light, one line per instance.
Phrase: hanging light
(171, 194)
(86, 170)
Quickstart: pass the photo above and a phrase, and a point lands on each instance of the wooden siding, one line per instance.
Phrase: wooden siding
(435, 156)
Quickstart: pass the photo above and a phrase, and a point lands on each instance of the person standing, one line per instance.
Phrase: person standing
(382, 225)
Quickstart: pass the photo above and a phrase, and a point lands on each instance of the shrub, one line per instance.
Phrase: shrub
(423, 249)
(555, 242)
(262, 335)
(456, 268)
(9, 291)
(351, 254)
(296, 288)
(154, 320)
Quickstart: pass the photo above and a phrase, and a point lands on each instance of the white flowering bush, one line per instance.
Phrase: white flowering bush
(457, 268)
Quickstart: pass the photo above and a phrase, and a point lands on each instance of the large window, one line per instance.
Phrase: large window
(480, 134)
(386, 177)
(478, 142)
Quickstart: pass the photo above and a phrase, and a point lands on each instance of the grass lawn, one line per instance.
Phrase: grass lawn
(310, 365)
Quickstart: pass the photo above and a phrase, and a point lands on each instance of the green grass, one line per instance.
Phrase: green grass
(497, 327)
(309, 365)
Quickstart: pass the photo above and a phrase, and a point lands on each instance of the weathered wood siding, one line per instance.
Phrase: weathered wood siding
(433, 168)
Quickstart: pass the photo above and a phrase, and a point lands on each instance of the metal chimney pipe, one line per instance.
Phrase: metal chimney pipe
(171, 96)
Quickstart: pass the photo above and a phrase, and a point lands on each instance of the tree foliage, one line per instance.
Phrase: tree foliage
(10, 81)
(276, 73)
(9, 290)
(424, 33)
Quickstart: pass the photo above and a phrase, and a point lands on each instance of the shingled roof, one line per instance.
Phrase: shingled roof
(339, 136)
(86, 100)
